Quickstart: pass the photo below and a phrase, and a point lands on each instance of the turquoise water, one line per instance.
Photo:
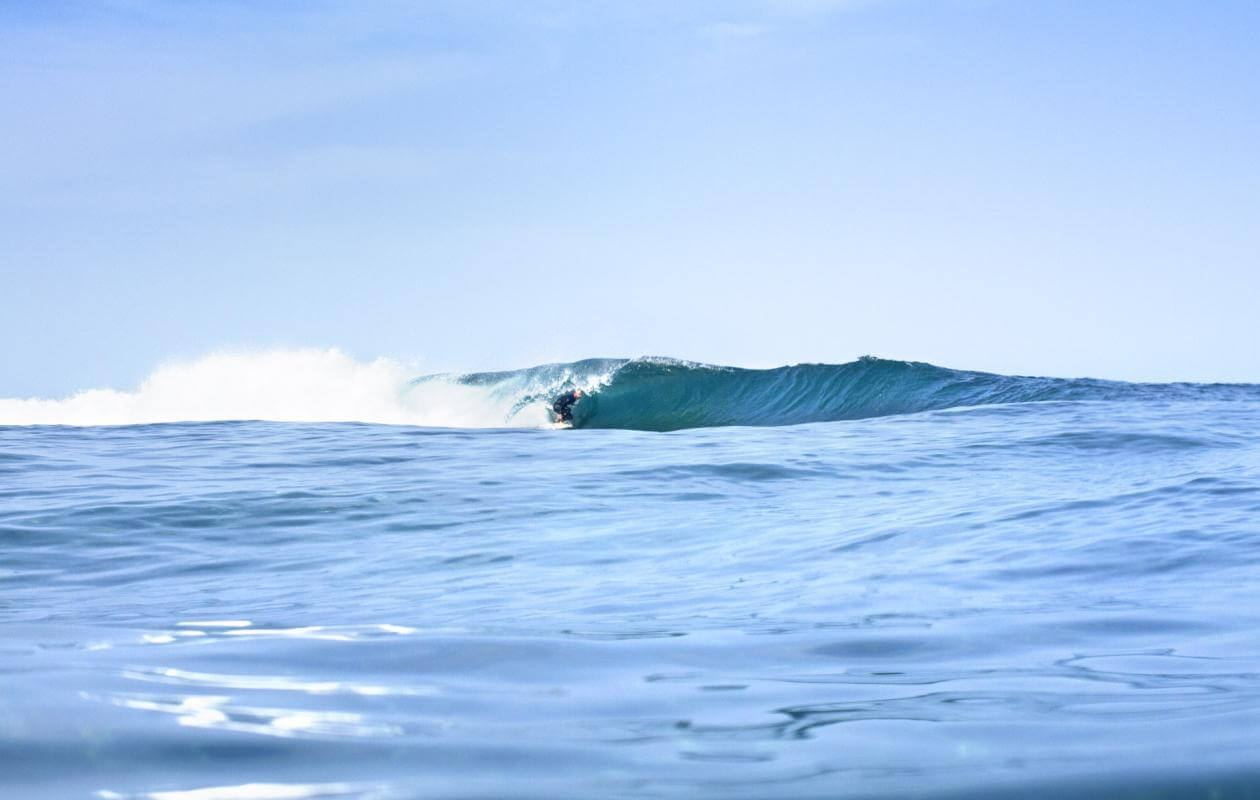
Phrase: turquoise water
(937, 584)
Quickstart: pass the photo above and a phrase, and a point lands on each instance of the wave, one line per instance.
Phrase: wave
(650, 394)
(663, 394)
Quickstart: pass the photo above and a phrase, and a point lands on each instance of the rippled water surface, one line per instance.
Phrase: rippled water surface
(1041, 599)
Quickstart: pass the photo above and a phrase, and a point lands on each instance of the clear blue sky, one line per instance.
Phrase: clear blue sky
(1066, 187)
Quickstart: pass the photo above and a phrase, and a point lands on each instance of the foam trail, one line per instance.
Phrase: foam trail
(306, 385)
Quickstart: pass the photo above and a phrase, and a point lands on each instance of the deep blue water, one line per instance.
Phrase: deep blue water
(1014, 599)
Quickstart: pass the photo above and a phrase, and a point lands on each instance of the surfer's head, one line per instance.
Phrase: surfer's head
(577, 392)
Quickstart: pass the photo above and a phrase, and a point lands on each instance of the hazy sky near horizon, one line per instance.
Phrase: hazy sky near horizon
(1065, 187)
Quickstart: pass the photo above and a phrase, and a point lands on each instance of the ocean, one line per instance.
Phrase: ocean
(878, 579)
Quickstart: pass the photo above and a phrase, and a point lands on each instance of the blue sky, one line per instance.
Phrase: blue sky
(1066, 188)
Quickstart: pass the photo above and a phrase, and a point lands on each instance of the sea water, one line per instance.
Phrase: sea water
(935, 584)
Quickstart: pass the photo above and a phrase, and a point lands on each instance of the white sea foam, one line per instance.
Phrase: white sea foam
(305, 385)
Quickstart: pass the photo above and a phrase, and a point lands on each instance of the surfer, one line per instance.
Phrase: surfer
(563, 406)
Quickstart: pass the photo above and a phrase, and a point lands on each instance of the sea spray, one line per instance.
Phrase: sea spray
(305, 385)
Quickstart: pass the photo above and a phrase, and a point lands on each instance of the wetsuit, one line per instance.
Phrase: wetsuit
(564, 406)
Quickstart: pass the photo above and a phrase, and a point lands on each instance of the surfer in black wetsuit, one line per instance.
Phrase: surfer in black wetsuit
(564, 405)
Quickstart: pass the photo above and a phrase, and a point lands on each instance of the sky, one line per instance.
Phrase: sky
(1058, 187)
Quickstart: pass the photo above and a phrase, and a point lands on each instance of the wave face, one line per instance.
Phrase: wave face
(661, 394)
(649, 394)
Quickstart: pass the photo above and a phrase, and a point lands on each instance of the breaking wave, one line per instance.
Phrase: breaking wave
(653, 394)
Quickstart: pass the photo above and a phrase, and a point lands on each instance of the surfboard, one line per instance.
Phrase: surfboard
(555, 424)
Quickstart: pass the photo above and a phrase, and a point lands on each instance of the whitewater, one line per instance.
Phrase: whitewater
(294, 574)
